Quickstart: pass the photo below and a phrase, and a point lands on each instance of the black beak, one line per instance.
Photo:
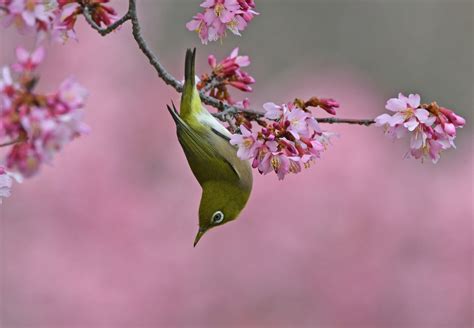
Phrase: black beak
(199, 234)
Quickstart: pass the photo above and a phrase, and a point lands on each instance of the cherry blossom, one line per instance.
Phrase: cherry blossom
(65, 18)
(432, 129)
(53, 18)
(28, 61)
(28, 15)
(35, 125)
(220, 16)
(227, 72)
(290, 139)
(247, 141)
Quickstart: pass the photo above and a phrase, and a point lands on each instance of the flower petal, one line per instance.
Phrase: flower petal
(396, 105)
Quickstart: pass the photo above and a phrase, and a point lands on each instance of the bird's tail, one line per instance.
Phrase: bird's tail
(189, 72)
(190, 100)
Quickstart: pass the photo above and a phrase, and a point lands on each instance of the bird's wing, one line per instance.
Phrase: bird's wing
(226, 138)
(201, 152)
(241, 167)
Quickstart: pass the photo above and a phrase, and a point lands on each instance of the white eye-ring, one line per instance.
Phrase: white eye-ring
(217, 217)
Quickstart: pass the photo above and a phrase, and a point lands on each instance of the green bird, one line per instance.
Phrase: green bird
(226, 180)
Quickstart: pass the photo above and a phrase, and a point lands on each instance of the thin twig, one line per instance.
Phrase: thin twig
(13, 142)
(225, 110)
(334, 120)
(232, 126)
(104, 31)
(214, 82)
(160, 69)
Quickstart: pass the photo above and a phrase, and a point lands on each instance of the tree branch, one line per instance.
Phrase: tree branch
(21, 138)
(160, 69)
(108, 29)
(225, 110)
(213, 82)
(334, 120)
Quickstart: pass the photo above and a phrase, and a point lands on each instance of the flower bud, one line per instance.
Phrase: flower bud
(241, 86)
(212, 61)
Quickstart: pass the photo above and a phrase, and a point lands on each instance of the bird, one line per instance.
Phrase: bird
(225, 179)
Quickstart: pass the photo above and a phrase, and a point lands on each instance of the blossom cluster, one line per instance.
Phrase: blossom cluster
(34, 125)
(54, 18)
(289, 139)
(222, 15)
(227, 72)
(432, 128)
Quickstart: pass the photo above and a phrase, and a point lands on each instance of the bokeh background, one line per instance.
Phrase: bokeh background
(364, 238)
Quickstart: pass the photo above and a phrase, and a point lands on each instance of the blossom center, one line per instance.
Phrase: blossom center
(275, 162)
(294, 168)
(409, 113)
(247, 143)
(30, 5)
(232, 24)
(219, 9)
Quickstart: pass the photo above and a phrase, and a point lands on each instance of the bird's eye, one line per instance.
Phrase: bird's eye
(217, 217)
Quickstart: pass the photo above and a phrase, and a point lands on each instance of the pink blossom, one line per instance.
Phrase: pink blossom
(29, 15)
(448, 120)
(288, 140)
(277, 162)
(62, 28)
(53, 18)
(325, 138)
(329, 105)
(247, 143)
(272, 111)
(297, 123)
(37, 126)
(28, 61)
(222, 10)
(432, 129)
(71, 94)
(227, 72)
(199, 25)
(8, 87)
(221, 15)
(24, 159)
(230, 65)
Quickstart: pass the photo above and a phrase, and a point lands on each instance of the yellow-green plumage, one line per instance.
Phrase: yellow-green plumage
(225, 179)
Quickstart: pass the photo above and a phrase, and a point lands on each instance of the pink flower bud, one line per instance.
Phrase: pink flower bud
(450, 129)
(212, 61)
(228, 68)
(243, 4)
(241, 86)
(457, 120)
(247, 16)
(329, 105)
(255, 162)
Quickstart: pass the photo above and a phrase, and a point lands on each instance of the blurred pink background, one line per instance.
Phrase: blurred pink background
(362, 239)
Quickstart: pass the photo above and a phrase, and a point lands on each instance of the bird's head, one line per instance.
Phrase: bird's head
(221, 202)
